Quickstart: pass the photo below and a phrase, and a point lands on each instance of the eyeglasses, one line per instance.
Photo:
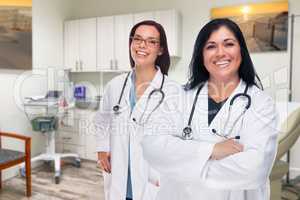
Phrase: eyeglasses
(150, 42)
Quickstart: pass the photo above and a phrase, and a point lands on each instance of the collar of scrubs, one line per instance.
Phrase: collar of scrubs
(140, 105)
(218, 123)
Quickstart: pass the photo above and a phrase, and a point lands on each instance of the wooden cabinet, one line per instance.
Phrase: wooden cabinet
(171, 22)
(77, 134)
(112, 42)
(123, 25)
(138, 17)
(101, 44)
(105, 43)
(71, 44)
(80, 45)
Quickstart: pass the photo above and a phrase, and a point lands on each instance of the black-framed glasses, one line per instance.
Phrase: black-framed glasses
(150, 42)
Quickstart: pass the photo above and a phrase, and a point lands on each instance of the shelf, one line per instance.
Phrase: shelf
(103, 71)
(113, 71)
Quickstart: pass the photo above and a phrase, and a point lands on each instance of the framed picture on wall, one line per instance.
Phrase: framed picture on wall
(16, 34)
(264, 25)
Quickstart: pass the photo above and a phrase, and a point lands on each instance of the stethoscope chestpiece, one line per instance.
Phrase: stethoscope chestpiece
(116, 109)
(187, 133)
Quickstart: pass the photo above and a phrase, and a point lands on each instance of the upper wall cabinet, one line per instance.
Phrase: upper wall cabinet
(100, 44)
(105, 43)
(71, 44)
(112, 42)
(138, 17)
(80, 44)
(171, 21)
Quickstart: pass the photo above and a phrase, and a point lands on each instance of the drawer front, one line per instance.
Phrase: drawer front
(78, 121)
(76, 125)
(58, 147)
(69, 124)
(91, 156)
(71, 138)
(69, 148)
(88, 114)
(91, 147)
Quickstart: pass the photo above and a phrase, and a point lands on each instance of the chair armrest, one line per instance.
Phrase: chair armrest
(14, 135)
(26, 139)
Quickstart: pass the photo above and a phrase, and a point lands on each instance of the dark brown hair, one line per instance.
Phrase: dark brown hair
(198, 73)
(163, 60)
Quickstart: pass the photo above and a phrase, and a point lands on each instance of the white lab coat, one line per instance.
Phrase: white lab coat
(116, 132)
(186, 171)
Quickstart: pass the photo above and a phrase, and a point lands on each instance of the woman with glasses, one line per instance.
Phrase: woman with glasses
(131, 101)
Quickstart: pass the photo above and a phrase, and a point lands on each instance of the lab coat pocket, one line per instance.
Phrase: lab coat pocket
(107, 183)
(152, 190)
(118, 124)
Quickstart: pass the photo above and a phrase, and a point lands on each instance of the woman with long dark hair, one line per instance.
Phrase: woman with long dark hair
(225, 104)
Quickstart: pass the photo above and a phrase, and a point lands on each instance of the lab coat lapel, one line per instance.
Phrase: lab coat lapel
(125, 103)
(127, 89)
(200, 119)
(120, 121)
(219, 122)
(144, 106)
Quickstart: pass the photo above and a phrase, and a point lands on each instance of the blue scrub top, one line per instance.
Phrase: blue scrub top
(132, 99)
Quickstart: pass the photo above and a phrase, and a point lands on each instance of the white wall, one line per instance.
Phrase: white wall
(295, 158)
(48, 17)
(47, 25)
(272, 67)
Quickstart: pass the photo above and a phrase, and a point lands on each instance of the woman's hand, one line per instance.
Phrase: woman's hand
(104, 161)
(225, 148)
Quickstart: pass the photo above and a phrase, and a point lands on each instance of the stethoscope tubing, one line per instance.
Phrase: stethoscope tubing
(117, 107)
(148, 99)
(187, 133)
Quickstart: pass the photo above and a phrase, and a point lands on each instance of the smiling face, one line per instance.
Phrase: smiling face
(222, 56)
(145, 46)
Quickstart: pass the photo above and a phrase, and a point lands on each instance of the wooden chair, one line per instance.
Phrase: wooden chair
(9, 158)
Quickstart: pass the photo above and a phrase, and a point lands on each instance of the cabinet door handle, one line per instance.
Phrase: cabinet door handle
(67, 138)
(111, 63)
(81, 65)
(76, 65)
(67, 151)
(116, 64)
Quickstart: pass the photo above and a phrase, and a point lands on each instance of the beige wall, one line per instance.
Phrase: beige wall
(194, 15)
(47, 26)
(48, 17)
(273, 68)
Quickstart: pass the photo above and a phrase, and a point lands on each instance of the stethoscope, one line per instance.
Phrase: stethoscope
(187, 133)
(117, 107)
